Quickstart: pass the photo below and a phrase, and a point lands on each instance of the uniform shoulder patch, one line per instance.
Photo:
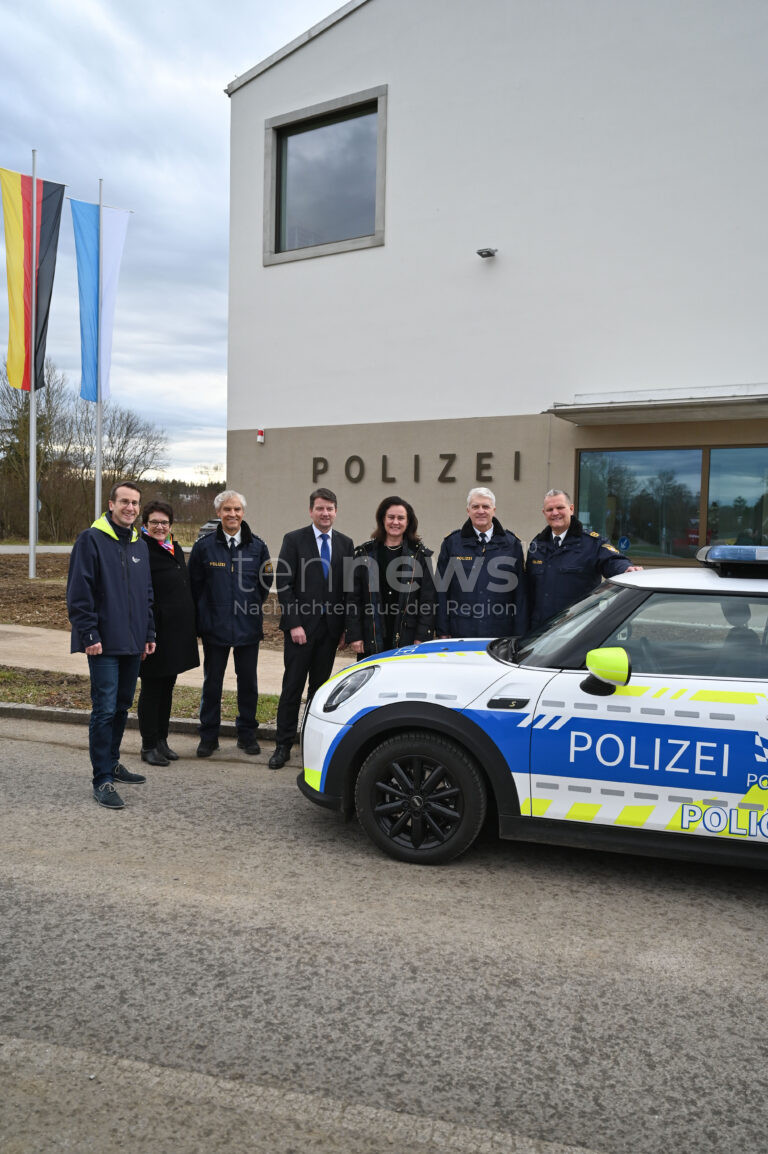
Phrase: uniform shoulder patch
(594, 534)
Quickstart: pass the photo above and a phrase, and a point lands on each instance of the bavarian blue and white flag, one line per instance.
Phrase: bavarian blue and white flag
(96, 332)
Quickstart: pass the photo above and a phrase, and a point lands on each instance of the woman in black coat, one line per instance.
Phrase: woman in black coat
(175, 627)
(393, 599)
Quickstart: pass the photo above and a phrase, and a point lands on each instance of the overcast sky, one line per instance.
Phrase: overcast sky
(134, 93)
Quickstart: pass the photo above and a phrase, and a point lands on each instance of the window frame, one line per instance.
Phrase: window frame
(706, 449)
(274, 127)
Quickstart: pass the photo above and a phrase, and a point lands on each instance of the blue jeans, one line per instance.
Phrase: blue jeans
(113, 684)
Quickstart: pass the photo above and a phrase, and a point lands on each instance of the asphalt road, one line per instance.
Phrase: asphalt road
(223, 967)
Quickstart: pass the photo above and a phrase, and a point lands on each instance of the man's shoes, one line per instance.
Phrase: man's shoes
(154, 757)
(249, 745)
(121, 774)
(280, 756)
(206, 748)
(108, 796)
(162, 747)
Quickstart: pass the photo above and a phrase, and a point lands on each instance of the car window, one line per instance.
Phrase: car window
(697, 635)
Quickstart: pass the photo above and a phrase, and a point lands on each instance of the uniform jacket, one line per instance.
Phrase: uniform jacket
(109, 592)
(305, 594)
(482, 590)
(174, 612)
(415, 620)
(559, 575)
(229, 594)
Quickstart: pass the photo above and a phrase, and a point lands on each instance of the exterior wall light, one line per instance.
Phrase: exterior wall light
(486, 252)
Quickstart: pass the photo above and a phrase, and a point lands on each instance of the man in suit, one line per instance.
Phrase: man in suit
(310, 589)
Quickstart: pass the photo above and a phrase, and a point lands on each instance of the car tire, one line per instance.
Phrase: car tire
(420, 798)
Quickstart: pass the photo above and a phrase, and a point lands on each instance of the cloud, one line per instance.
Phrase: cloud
(134, 94)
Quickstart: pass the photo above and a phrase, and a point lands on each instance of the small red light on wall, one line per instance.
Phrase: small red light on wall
(260, 436)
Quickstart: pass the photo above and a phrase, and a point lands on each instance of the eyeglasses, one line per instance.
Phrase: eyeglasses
(159, 524)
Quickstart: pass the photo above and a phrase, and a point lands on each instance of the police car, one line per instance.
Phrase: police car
(635, 720)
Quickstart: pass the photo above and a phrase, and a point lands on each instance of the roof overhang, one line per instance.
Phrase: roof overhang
(738, 403)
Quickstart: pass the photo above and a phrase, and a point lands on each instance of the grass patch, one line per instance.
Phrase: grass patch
(72, 691)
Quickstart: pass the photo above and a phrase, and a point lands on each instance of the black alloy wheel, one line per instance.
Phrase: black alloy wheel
(420, 798)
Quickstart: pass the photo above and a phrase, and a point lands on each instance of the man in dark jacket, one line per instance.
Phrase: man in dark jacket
(310, 588)
(230, 574)
(109, 601)
(565, 562)
(480, 576)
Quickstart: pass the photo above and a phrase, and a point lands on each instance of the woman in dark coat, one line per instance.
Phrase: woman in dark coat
(176, 650)
(393, 600)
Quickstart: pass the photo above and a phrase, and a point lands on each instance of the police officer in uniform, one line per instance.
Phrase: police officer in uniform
(230, 576)
(480, 576)
(565, 562)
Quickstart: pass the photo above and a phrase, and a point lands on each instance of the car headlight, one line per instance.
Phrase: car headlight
(349, 686)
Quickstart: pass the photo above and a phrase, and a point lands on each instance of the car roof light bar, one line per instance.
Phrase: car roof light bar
(730, 559)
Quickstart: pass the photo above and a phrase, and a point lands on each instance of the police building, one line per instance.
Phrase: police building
(517, 243)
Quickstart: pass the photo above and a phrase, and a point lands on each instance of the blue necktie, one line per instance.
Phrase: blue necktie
(325, 554)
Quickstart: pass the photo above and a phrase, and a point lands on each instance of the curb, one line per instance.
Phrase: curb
(83, 716)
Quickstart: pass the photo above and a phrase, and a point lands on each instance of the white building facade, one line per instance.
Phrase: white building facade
(611, 158)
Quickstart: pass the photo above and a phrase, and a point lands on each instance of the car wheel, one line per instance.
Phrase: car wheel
(420, 798)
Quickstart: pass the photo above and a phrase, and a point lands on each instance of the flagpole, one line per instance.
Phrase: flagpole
(99, 432)
(32, 391)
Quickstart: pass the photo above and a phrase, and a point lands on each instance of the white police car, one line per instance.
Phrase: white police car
(637, 720)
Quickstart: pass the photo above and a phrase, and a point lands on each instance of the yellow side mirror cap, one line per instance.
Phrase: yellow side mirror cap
(610, 665)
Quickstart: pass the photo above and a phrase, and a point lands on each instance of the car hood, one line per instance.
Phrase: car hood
(457, 651)
(447, 673)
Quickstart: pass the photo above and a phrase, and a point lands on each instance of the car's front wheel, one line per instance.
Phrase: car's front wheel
(420, 798)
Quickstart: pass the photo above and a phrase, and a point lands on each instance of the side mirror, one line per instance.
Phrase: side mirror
(608, 668)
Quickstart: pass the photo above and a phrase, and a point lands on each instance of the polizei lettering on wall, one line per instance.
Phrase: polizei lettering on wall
(446, 468)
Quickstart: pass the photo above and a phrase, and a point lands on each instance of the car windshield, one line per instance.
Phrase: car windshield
(541, 647)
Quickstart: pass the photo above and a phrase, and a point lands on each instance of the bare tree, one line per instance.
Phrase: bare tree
(66, 431)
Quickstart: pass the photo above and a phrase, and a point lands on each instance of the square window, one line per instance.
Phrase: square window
(324, 178)
(737, 510)
(645, 500)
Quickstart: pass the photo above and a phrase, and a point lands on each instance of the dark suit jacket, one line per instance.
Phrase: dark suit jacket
(305, 595)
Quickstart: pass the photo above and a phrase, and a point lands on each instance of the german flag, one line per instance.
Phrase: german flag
(17, 212)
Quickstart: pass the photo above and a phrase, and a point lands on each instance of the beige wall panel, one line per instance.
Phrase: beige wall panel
(277, 476)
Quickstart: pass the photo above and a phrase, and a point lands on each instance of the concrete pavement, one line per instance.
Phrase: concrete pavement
(8, 549)
(30, 647)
